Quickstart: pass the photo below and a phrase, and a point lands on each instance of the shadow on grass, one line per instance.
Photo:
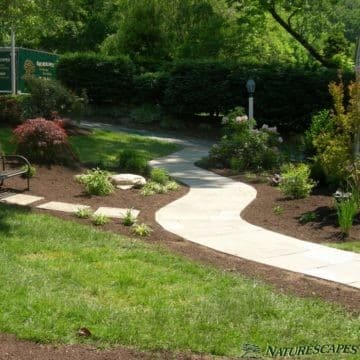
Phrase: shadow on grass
(8, 212)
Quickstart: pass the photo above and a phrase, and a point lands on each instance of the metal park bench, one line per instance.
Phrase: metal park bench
(12, 170)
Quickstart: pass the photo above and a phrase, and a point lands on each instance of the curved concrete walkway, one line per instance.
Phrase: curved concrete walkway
(210, 215)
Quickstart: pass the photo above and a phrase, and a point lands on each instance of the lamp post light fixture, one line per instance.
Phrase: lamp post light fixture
(250, 86)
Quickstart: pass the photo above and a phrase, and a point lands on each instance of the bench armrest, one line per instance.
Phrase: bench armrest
(14, 157)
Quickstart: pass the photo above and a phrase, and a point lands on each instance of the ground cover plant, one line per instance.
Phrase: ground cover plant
(96, 182)
(159, 183)
(138, 295)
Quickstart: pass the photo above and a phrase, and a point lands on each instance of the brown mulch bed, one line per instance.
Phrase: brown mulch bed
(323, 229)
(57, 184)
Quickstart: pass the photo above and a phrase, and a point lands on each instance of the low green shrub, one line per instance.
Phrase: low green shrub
(159, 176)
(346, 210)
(96, 182)
(99, 220)
(307, 217)
(83, 213)
(296, 182)
(130, 160)
(129, 219)
(172, 186)
(30, 171)
(141, 229)
(278, 210)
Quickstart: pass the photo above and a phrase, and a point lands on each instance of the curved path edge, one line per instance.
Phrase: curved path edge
(209, 215)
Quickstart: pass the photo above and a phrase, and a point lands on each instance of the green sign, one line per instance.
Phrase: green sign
(5, 71)
(28, 62)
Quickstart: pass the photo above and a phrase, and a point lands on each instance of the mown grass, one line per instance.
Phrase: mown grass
(349, 246)
(57, 276)
(103, 147)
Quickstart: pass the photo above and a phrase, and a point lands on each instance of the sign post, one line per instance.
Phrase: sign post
(13, 63)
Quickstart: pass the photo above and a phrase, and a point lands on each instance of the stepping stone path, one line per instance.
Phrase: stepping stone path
(61, 206)
(115, 212)
(21, 199)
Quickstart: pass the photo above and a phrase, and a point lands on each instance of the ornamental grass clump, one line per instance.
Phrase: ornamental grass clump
(43, 141)
(295, 181)
(96, 182)
(346, 210)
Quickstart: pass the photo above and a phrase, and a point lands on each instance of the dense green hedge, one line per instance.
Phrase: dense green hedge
(197, 87)
(285, 96)
(105, 79)
(149, 87)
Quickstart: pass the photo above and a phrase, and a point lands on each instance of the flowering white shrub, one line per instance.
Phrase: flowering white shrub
(245, 147)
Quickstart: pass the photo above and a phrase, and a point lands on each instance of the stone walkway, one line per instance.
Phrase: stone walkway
(210, 215)
(26, 200)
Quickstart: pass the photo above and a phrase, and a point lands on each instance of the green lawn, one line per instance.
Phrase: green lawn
(57, 276)
(350, 246)
(102, 147)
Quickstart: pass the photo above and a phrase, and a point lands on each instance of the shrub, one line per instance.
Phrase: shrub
(334, 144)
(296, 182)
(43, 141)
(129, 219)
(150, 87)
(30, 171)
(130, 160)
(105, 79)
(244, 147)
(321, 122)
(159, 176)
(83, 213)
(49, 96)
(96, 182)
(346, 210)
(141, 229)
(10, 110)
(99, 220)
(278, 210)
(307, 217)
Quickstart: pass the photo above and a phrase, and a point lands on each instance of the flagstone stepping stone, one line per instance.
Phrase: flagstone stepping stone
(61, 206)
(115, 212)
(128, 179)
(21, 199)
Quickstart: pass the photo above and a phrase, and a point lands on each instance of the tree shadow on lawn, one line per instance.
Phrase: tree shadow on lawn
(7, 212)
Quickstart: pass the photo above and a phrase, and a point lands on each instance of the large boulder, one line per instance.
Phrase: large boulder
(121, 180)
